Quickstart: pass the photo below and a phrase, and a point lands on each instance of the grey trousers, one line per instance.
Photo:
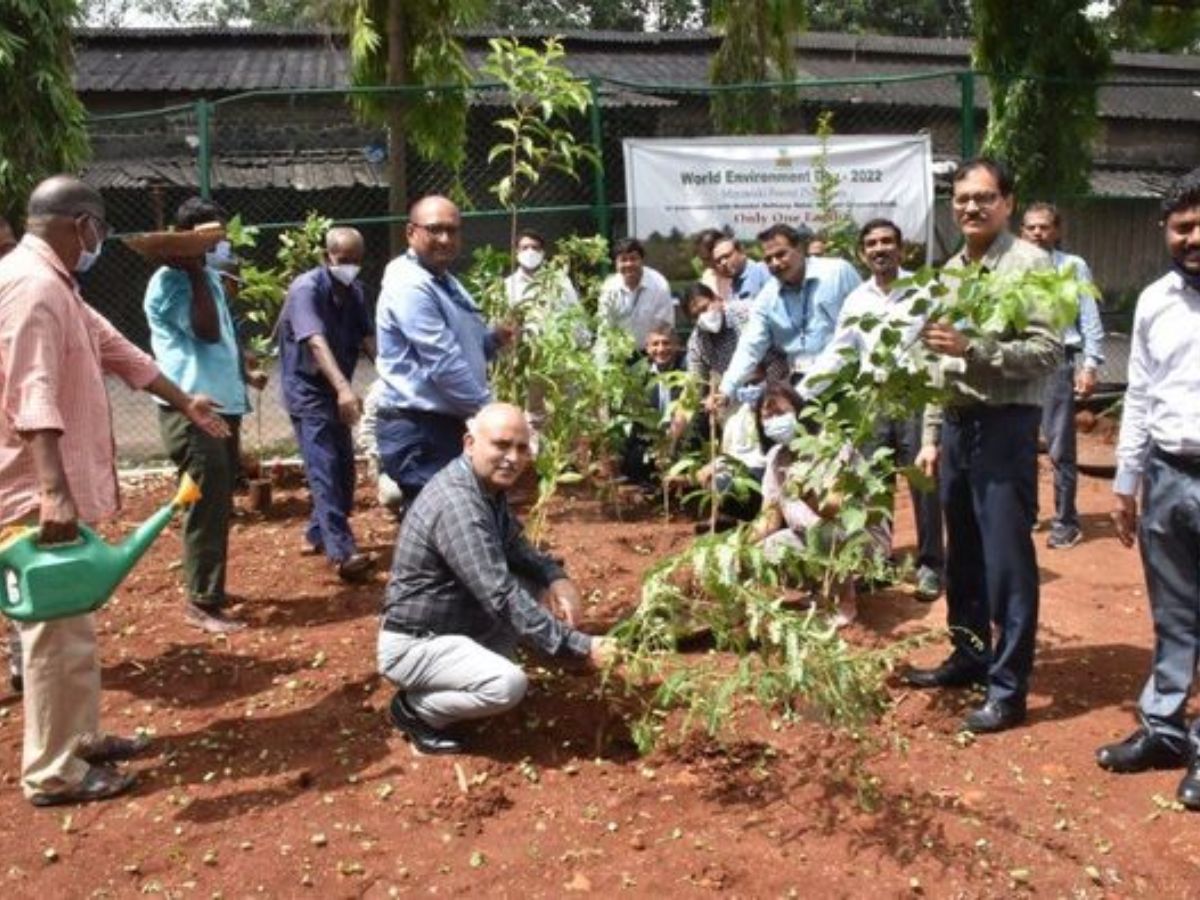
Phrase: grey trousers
(1058, 425)
(449, 678)
(1169, 538)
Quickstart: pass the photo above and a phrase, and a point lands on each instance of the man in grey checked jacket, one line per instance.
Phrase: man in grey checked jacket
(466, 588)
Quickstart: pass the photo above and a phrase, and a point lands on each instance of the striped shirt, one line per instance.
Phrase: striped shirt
(54, 352)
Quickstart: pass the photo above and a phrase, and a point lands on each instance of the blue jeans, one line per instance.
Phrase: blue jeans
(328, 452)
(988, 487)
(414, 446)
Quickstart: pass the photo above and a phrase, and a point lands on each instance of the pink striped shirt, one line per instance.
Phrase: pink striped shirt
(54, 351)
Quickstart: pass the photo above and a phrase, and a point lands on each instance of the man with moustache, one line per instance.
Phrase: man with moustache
(985, 445)
(466, 588)
(879, 246)
(795, 312)
(433, 350)
(1159, 451)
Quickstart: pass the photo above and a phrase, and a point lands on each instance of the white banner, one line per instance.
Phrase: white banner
(748, 183)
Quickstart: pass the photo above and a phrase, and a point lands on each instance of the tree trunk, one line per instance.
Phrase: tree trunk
(397, 73)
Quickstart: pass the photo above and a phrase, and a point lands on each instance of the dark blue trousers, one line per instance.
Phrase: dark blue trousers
(988, 490)
(328, 452)
(414, 446)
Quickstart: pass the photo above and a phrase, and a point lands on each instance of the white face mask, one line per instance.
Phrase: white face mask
(345, 273)
(529, 259)
(219, 256)
(711, 320)
(780, 429)
(87, 258)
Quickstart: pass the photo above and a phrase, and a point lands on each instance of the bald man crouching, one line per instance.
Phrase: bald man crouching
(466, 588)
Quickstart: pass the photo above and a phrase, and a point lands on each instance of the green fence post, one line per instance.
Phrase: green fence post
(600, 208)
(966, 82)
(204, 148)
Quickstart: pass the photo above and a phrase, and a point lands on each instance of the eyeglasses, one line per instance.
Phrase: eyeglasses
(437, 231)
(982, 199)
(102, 227)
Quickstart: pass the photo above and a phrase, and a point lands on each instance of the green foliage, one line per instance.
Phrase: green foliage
(1042, 63)
(912, 18)
(264, 288)
(756, 47)
(1147, 26)
(434, 121)
(832, 222)
(44, 129)
(544, 98)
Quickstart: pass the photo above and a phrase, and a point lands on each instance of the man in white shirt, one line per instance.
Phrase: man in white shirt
(1159, 451)
(636, 298)
(1042, 225)
(879, 247)
(519, 287)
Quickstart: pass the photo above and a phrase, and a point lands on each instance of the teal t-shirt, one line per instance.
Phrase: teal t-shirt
(197, 366)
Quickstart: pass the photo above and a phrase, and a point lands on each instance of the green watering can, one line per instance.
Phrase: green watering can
(51, 581)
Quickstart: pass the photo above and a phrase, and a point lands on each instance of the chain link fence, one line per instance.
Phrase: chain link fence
(275, 156)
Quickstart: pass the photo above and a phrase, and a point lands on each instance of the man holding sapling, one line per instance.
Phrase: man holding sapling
(323, 328)
(466, 588)
(1082, 343)
(434, 347)
(1159, 454)
(871, 308)
(984, 442)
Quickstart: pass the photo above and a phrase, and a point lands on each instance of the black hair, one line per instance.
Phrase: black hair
(706, 240)
(794, 236)
(695, 291)
(533, 235)
(995, 168)
(1043, 206)
(197, 211)
(1183, 194)
(879, 223)
(775, 390)
(628, 245)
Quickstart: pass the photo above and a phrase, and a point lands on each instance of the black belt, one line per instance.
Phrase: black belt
(1189, 464)
(979, 411)
(409, 630)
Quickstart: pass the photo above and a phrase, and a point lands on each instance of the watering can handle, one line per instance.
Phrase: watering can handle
(85, 536)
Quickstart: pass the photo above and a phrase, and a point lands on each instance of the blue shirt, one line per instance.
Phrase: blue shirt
(798, 319)
(1087, 332)
(196, 366)
(317, 304)
(433, 343)
(753, 279)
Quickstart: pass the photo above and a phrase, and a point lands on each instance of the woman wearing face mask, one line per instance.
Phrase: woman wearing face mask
(785, 520)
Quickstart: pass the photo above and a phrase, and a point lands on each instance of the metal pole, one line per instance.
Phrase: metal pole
(204, 149)
(966, 81)
(600, 209)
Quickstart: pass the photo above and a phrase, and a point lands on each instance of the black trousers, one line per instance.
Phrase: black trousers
(988, 490)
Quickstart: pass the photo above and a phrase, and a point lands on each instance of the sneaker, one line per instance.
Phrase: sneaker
(1064, 537)
(929, 584)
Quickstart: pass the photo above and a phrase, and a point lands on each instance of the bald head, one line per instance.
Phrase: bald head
(66, 196)
(498, 445)
(434, 232)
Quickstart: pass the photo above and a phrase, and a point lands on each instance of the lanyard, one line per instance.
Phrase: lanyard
(805, 297)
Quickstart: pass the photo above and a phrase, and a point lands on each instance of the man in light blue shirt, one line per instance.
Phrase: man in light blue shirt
(195, 343)
(746, 276)
(796, 312)
(433, 350)
(1042, 225)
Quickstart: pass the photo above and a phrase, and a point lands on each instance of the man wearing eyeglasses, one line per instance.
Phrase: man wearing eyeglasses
(985, 444)
(57, 468)
(433, 349)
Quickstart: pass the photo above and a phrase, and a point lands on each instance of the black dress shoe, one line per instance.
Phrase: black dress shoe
(424, 737)
(1188, 792)
(993, 716)
(1140, 751)
(951, 673)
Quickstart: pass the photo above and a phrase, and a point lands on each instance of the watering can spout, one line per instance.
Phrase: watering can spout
(42, 582)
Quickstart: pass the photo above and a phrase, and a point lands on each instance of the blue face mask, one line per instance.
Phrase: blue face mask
(780, 429)
(750, 394)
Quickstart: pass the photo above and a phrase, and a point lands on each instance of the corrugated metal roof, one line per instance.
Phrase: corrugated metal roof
(301, 172)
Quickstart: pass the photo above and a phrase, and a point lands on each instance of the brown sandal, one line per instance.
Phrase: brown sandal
(99, 783)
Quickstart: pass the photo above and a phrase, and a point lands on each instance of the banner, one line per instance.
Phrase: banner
(684, 185)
